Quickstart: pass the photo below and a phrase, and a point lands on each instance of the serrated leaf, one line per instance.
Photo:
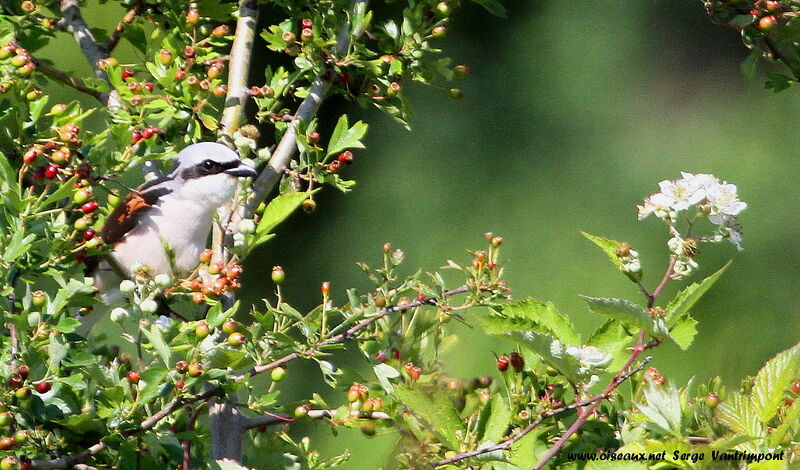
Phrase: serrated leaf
(789, 419)
(56, 351)
(63, 191)
(344, 136)
(499, 420)
(628, 313)
(530, 314)
(436, 408)
(685, 299)
(739, 414)
(612, 337)
(550, 350)
(772, 381)
(525, 452)
(152, 379)
(684, 331)
(662, 408)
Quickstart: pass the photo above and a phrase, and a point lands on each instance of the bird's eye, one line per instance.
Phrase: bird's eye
(208, 164)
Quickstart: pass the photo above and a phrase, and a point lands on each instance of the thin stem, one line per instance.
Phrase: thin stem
(127, 19)
(67, 79)
(505, 445)
(75, 24)
(664, 280)
(171, 407)
(278, 418)
(288, 144)
(239, 67)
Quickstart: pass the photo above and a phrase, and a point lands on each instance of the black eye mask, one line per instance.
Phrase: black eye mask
(208, 167)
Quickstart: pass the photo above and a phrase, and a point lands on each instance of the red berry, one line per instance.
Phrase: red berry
(89, 207)
(89, 234)
(30, 156)
(149, 86)
(7, 443)
(796, 386)
(133, 377)
(51, 171)
(502, 363)
(325, 288)
(198, 298)
(136, 136)
(306, 23)
(15, 381)
(344, 77)
(180, 74)
(313, 137)
(189, 52)
(23, 371)
(233, 271)
(772, 5)
(345, 157)
(147, 132)
(766, 23)
(43, 387)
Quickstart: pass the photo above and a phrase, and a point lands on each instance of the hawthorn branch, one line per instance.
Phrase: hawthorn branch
(270, 419)
(287, 146)
(74, 23)
(127, 19)
(505, 445)
(67, 79)
(239, 67)
(171, 407)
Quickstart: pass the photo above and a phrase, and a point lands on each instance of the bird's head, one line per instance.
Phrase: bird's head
(208, 171)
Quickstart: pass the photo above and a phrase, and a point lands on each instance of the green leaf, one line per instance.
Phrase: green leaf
(526, 452)
(499, 420)
(345, 137)
(69, 295)
(685, 299)
(663, 408)
(739, 414)
(612, 337)
(152, 378)
(67, 325)
(56, 351)
(772, 381)
(628, 313)
(790, 419)
(549, 349)
(384, 373)
(216, 316)
(778, 82)
(156, 338)
(493, 6)
(530, 314)
(7, 173)
(683, 331)
(279, 209)
(435, 407)
(610, 247)
(63, 191)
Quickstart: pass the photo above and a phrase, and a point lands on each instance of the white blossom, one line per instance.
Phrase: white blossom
(163, 322)
(589, 357)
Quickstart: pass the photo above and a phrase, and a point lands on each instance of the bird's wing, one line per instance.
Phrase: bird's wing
(131, 210)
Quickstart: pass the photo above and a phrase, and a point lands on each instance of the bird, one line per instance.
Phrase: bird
(164, 224)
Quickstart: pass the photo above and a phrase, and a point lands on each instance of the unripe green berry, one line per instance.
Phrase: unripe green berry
(455, 94)
(202, 329)
(278, 374)
(278, 275)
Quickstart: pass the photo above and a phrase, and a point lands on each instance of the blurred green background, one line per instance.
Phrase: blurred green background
(572, 114)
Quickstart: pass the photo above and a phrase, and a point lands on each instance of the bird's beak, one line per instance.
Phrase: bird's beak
(242, 171)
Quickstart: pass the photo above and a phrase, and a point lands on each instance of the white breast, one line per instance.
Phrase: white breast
(184, 232)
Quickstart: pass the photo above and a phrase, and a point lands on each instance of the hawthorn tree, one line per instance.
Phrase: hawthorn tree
(178, 390)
